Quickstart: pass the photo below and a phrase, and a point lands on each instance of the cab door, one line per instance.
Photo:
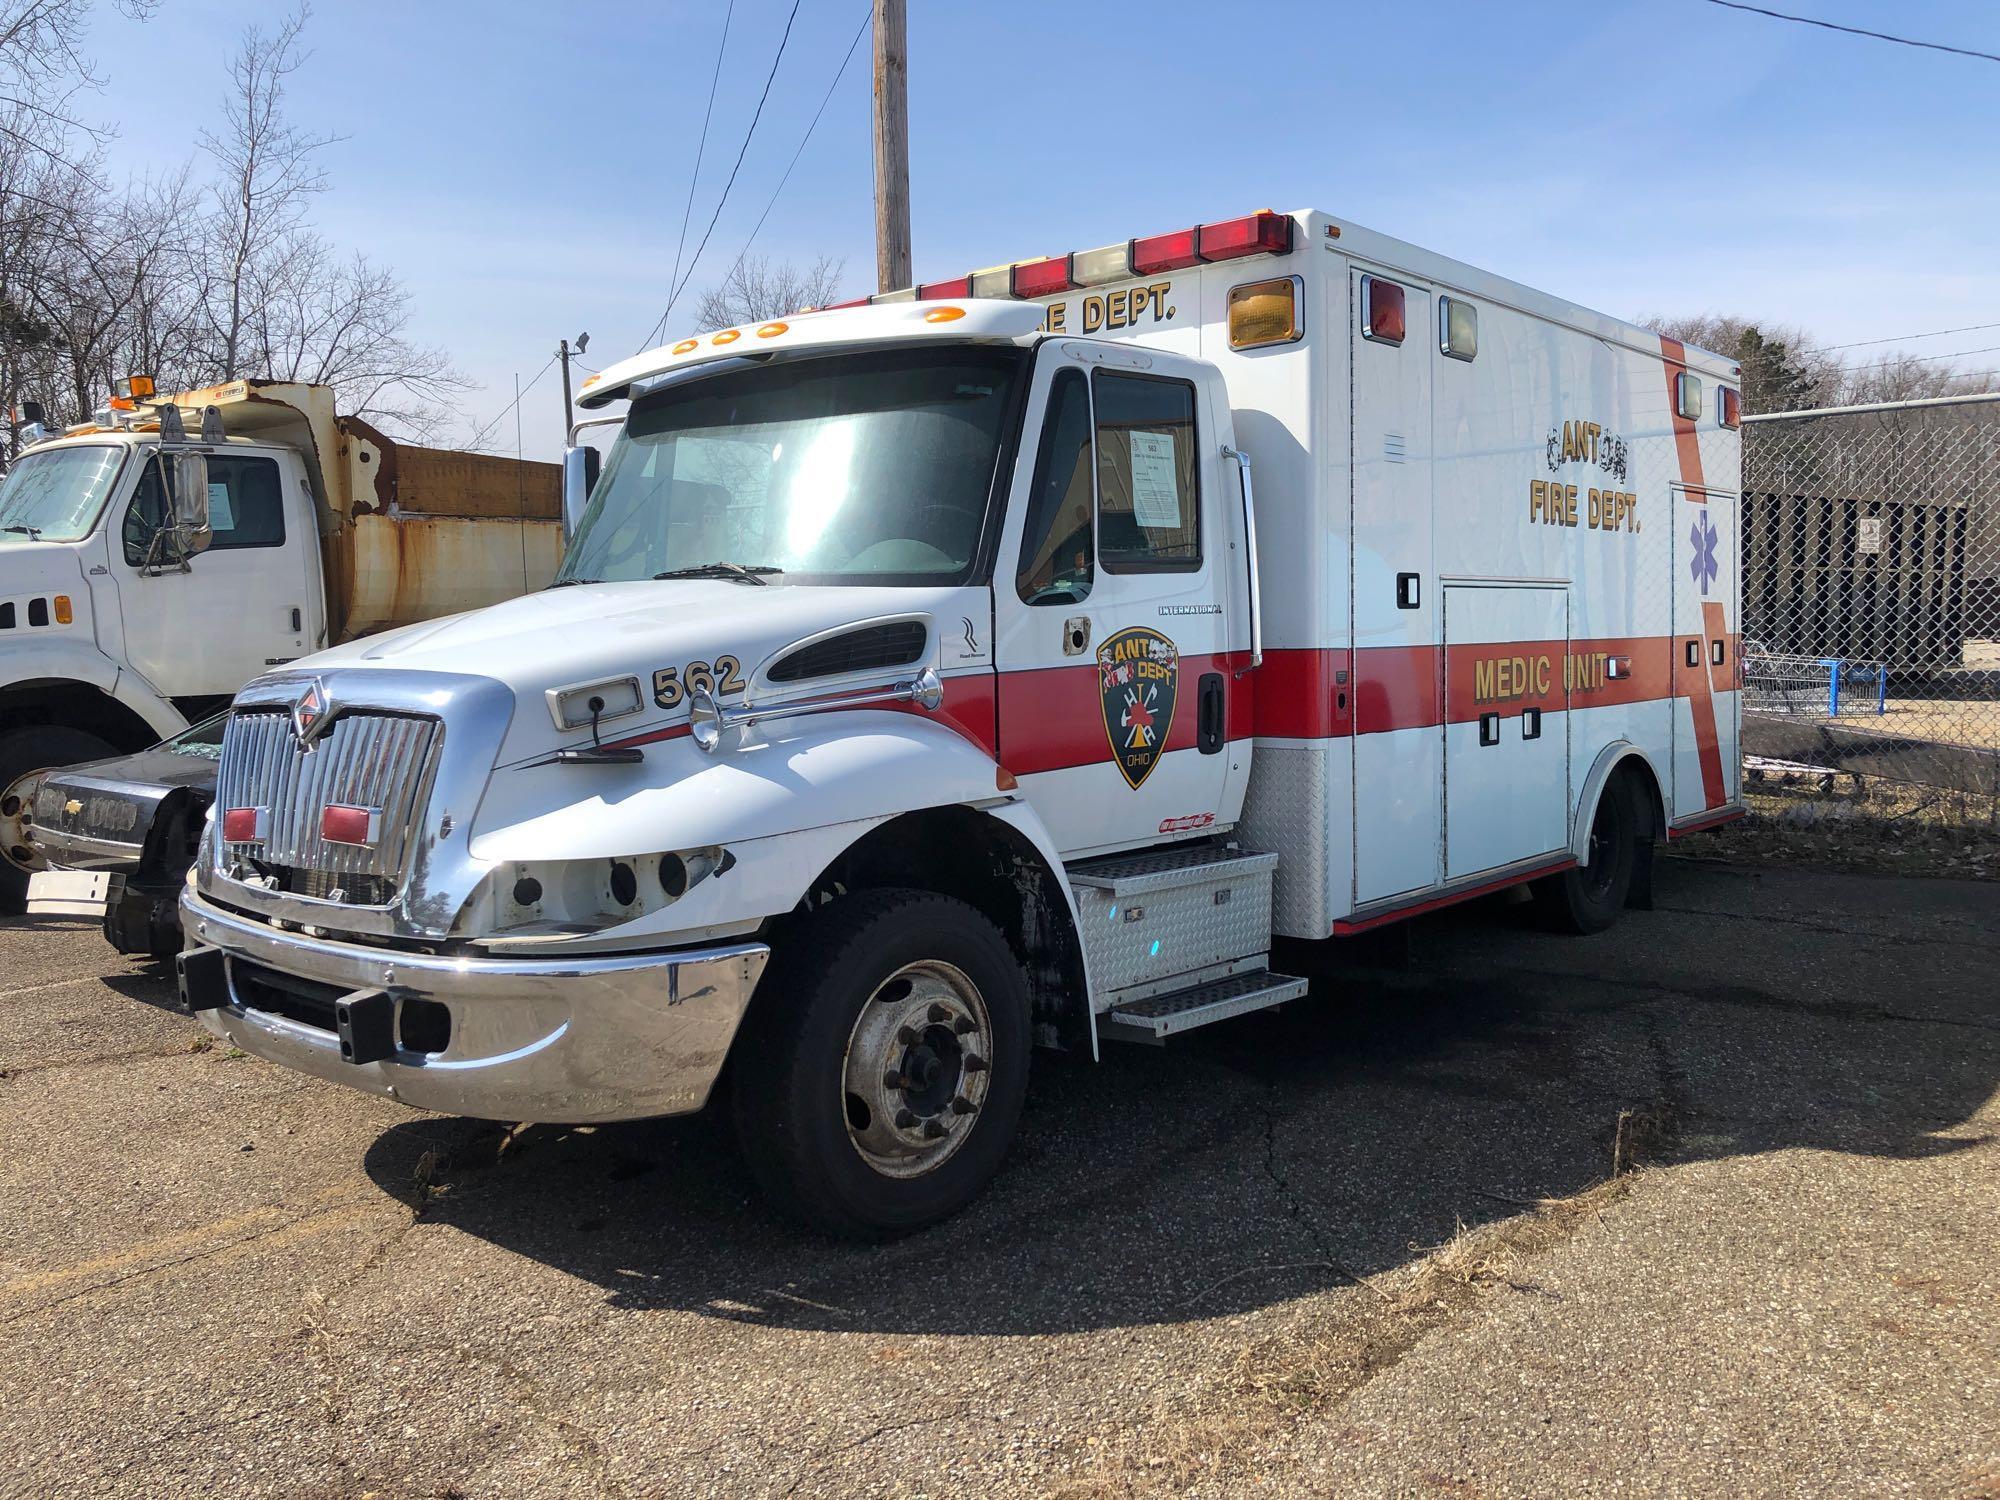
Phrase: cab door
(249, 602)
(1112, 603)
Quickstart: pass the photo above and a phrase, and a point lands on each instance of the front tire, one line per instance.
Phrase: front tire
(23, 751)
(1589, 897)
(879, 1079)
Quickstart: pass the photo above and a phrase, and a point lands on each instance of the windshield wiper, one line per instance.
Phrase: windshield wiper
(563, 583)
(33, 533)
(740, 572)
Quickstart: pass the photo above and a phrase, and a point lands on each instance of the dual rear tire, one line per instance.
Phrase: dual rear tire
(1588, 897)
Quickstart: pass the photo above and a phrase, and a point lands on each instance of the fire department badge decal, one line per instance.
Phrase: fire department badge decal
(1139, 679)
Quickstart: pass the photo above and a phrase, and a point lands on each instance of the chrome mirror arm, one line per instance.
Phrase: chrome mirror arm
(708, 719)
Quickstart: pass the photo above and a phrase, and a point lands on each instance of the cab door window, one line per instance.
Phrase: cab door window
(1056, 565)
(1148, 494)
(246, 506)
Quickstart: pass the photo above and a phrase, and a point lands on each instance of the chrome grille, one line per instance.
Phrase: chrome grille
(362, 760)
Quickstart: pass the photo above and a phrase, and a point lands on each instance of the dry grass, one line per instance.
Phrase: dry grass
(1861, 825)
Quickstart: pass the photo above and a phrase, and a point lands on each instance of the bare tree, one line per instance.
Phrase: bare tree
(269, 172)
(757, 289)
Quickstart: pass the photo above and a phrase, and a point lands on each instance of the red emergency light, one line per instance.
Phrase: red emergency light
(243, 825)
(1042, 278)
(339, 824)
(1263, 233)
(932, 291)
(1729, 409)
(1165, 252)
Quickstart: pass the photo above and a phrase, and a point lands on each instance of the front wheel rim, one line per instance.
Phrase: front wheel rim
(917, 1069)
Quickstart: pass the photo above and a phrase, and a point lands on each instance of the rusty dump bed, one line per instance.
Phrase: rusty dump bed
(407, 533)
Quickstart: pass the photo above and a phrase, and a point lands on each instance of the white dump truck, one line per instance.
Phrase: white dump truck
(1006, 661)
(154, 560)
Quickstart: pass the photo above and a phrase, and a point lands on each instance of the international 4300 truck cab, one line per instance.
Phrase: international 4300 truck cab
(1007, 661)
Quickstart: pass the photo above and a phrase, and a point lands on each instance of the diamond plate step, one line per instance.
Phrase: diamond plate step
(1161, 1017)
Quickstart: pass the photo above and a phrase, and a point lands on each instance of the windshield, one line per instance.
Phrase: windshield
(864, 469)
(55, 495)
(203, 740)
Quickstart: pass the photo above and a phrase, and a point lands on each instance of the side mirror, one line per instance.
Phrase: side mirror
(188, 499)
(580, 466)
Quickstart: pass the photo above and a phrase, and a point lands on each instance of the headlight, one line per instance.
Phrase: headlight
(574, 896)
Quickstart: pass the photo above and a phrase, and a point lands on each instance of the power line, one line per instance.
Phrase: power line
(861, 31)
(1880, 36)
(694, 177)
(1900, 338)
(675, 294)
(480, 436)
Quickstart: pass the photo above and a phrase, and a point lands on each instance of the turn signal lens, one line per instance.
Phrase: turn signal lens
(1264, 312)
(62, 609)
(944, 315)
(772, 330)
(350, 825)
(243, 825)
(727, 336)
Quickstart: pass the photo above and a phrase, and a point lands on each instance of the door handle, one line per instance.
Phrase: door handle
(1212, 720)
(298, 620)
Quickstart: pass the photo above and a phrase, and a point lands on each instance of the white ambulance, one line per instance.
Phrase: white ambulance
(1007, 660)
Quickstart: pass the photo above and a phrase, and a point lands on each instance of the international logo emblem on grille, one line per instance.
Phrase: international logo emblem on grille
(1138, 677)
(310, 714)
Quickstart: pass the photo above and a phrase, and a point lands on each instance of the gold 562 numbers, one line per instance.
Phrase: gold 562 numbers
(672, 684)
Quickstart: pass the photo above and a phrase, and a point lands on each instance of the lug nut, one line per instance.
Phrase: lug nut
(906, 1035)
(904, 1119)
(974, 1064)
(939, 1013)
(962, 1105)
(963, 1027)
(933, 1131)
(892, 1080)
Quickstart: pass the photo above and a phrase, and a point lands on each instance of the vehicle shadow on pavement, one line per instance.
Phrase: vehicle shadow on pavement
(1285, 1153)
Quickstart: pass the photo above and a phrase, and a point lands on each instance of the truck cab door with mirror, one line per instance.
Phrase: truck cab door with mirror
(250, 600)
(1114, 604)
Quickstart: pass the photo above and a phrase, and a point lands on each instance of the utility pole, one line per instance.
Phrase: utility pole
(892, 146)
(566, 354)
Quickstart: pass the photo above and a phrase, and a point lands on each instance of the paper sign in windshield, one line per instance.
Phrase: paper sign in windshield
(220, 516)
(1156, 500)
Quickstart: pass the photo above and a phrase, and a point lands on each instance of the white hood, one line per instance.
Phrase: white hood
(585, 632)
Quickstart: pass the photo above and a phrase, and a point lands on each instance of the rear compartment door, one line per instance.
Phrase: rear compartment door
(1708, 761)
(1506, 753)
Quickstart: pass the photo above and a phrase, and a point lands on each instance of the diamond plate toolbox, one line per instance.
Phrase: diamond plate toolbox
(1153, 917)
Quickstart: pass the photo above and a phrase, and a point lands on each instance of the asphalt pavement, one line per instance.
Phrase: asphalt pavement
(1367, 1245)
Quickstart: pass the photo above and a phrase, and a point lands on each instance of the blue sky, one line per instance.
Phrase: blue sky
(524, 166)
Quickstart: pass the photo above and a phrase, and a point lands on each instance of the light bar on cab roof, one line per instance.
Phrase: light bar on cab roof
(1261, 233)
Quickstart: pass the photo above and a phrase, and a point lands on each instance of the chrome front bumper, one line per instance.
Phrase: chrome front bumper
(561, 1040)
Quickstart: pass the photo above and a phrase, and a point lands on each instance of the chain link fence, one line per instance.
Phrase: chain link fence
(1871, 605)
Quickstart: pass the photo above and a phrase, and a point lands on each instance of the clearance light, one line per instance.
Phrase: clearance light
(592, 381)
(932, 291)
(1382, 317)
(727, 336)
(1044, 278)
(1728, 406)
(1165, 252)
(350, 825)
(1263, 233)
(686, 344)
(772, 330)
(944, 315)
(995, 281)
(1264, 312)
(1687, 397)
(63, 613)
(244, 825)
(1095, 267)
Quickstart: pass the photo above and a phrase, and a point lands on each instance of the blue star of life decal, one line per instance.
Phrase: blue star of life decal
(1704, 567)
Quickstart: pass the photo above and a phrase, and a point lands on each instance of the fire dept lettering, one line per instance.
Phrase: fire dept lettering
(1554, 502)
(1138, 675)
(1105, 311)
